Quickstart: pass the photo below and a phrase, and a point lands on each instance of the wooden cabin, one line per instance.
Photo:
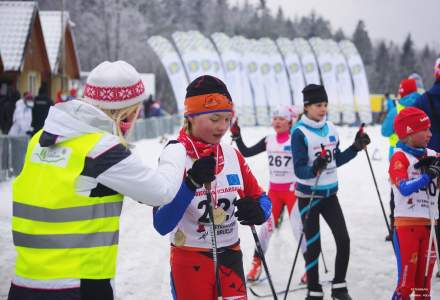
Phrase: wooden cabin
(63, 56)
(24, 55)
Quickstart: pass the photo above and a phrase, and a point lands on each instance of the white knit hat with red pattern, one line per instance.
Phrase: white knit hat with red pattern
(114, 85)
(288, 112)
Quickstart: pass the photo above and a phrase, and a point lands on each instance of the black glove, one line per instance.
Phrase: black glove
(235, 131)
(361, 141)
(249, 211)
(202, 171)
(433, 170)
(319, 164)
(425, 162)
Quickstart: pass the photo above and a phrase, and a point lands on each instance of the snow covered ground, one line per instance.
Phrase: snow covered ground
(143, 268)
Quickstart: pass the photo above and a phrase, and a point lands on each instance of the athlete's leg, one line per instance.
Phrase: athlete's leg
(192, 275)
(313, 240)
(232, 275)
(422, 288)
(407, 244)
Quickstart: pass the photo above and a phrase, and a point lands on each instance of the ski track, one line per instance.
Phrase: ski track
(143, 260)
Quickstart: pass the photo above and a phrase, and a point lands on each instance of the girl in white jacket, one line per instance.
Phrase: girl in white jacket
(68, 198)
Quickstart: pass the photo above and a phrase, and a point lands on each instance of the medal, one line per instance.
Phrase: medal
(179, 238)
(219, 216)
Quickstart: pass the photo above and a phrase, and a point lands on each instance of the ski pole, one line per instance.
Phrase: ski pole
(428, 258)
(323, 262)
(309, 208)
(263, 259)
(432, 238)
(361, 129)
(213, 240)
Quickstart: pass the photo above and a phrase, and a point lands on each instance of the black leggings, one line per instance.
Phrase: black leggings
(330, 209)
(90, 290)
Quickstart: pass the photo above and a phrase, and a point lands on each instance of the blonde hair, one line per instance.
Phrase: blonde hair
(187, 125)
(118, 115)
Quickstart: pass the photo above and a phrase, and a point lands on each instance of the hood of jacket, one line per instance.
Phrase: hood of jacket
(409, 100)
(72, 119)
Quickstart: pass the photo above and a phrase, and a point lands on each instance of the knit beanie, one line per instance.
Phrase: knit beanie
(407, 86)
(114, 85)
(410, 120)
(288, 112)
(207, 94)
(314, 93)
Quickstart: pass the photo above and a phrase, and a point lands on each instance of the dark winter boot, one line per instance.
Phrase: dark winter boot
(340, 292)
(315, 295)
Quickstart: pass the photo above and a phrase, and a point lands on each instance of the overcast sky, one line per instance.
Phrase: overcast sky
(385, 19)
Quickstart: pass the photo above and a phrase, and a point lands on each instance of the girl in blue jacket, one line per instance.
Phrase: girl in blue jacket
(312, 131)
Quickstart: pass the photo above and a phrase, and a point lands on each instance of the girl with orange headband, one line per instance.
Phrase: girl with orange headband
(235, 193)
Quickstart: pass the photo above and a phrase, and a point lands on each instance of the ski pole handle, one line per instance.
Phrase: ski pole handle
(361, 128)
(323, 151)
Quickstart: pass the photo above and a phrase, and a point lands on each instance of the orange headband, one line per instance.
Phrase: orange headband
(208, 103)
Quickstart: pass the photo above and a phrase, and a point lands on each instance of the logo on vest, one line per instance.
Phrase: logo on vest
(55, 156)
(233, 179)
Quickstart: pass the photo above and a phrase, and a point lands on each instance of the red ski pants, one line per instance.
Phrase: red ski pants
(193, 275)
(411, 245)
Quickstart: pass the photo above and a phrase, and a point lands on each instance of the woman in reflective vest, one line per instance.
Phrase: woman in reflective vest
(68, 198)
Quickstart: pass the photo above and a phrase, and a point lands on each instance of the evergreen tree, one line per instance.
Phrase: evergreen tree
(407, 58)
(381, 81)
(339, 35)
(363, 43)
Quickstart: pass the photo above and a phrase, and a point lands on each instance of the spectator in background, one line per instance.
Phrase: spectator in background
(72, 94)
(156, 109)
(22, 118)
(59, 97)
(147, 103)
(7, 108)
(419, 82)
(391, 103)
(42, 103)
(429, 102)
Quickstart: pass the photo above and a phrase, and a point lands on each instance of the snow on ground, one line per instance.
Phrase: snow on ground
(143, 267)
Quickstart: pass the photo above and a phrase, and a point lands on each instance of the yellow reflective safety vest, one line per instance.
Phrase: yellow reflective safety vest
(57, 232)
(393, 139)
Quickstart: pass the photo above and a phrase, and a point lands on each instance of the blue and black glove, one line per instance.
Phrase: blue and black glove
(249, 212)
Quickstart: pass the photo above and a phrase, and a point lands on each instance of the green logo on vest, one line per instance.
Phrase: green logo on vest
(51, 155)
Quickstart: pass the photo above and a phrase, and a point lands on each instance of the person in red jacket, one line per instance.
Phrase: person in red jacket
(414, 171)
(234, 195)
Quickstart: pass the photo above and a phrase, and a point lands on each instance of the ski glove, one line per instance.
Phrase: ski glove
(425, 162)
(319, 164)
(361, 141)
(249, 212)
(235, 131)
(433, 170)
(202, 171)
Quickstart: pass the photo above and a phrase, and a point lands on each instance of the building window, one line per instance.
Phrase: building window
(32, 83)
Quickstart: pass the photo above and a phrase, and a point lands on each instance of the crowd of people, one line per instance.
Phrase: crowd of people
(66, 228)
(23, 115)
